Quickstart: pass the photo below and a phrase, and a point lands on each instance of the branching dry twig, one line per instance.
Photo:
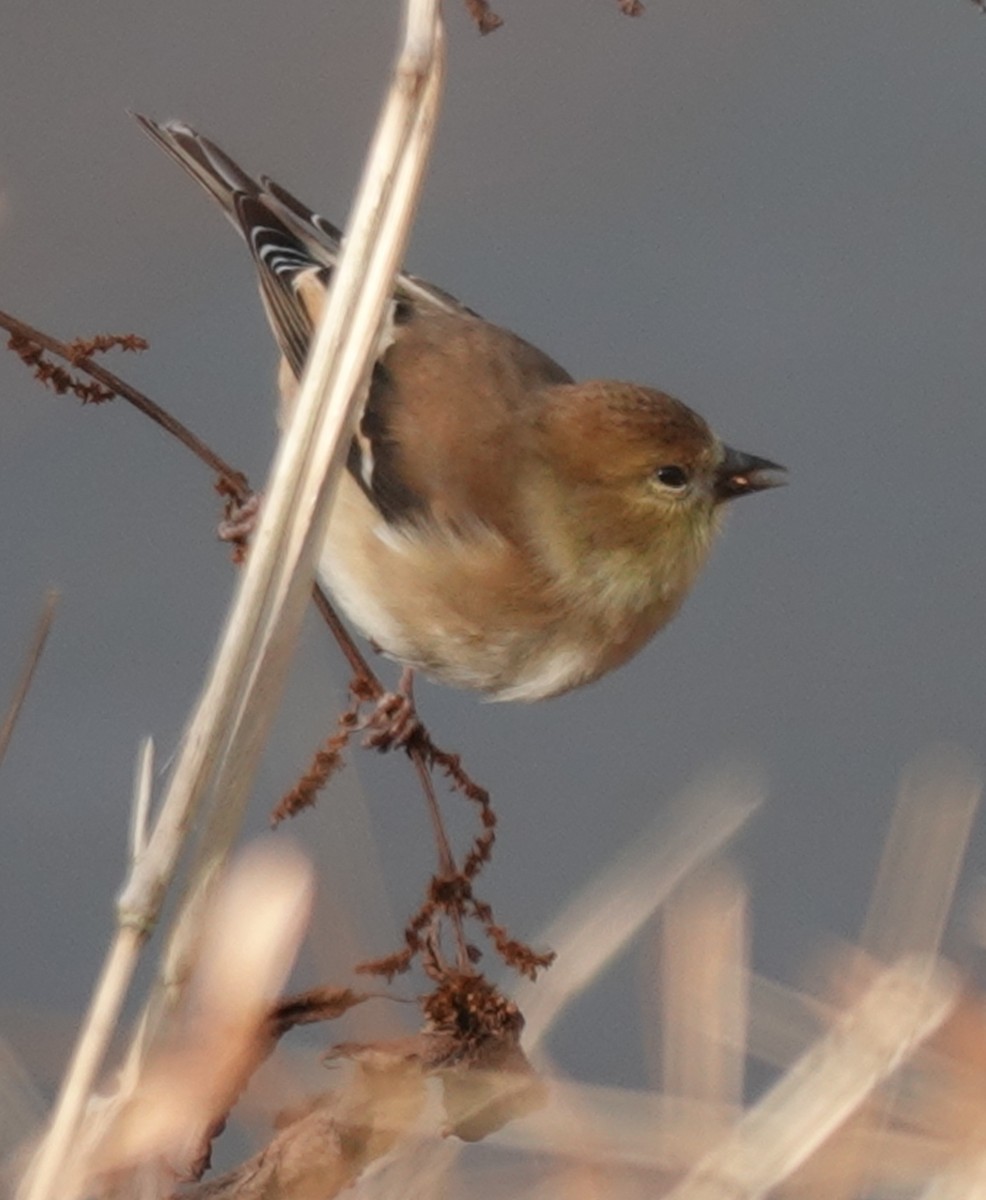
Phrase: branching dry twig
(28, 343)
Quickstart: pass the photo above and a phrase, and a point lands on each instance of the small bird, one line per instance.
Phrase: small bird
(500, 526)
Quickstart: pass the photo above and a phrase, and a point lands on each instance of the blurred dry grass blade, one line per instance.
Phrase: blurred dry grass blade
(420, 1170)
(611, 910)
(620, 1127)
(21, 1109)
(966, 1181)
(913, 894)
(912, 897)
(162, 1117)
(783, 1022)
(226, 733)
(905, 1005)
(31, 661)
(704, 990)
(922, 856)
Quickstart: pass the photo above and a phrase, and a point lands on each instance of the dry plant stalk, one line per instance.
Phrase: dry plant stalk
(226, 732)
(450, 896)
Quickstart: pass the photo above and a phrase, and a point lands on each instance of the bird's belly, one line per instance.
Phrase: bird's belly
(468, 611)
(474, 611)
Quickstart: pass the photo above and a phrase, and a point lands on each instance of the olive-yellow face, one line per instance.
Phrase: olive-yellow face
(646, 449)
(634, 486)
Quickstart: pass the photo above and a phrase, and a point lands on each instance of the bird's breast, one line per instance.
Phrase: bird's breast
(476, 609)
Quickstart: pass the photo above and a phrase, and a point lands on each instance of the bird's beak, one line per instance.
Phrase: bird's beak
(740, 474)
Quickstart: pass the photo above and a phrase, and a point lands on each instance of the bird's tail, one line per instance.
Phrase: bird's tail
(290, 244)
(286, 240)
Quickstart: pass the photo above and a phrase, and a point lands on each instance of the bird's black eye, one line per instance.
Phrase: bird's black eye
(672, 477)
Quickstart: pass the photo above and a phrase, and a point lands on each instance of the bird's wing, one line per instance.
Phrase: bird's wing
(449, 422)
(443, 427)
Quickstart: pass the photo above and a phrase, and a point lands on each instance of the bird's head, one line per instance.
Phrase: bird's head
(643, 478)
(646, 450)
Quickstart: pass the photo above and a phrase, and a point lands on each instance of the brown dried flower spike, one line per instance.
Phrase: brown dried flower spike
(63, 382)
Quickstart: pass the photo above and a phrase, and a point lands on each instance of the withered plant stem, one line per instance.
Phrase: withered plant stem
(235, 480)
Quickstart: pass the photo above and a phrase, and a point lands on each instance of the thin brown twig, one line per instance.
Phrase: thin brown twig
(446, 859)
(352, 653)
(234, 479)
(35, 650)
(448, 871)
(450, 891)
(233, 482)
(424, 755)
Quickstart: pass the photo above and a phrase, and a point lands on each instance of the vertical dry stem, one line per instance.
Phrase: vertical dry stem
(225, 735)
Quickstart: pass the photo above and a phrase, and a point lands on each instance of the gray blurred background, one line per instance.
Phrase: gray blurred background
(772, 210)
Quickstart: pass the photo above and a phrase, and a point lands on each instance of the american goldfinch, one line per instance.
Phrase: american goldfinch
(500, 526)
